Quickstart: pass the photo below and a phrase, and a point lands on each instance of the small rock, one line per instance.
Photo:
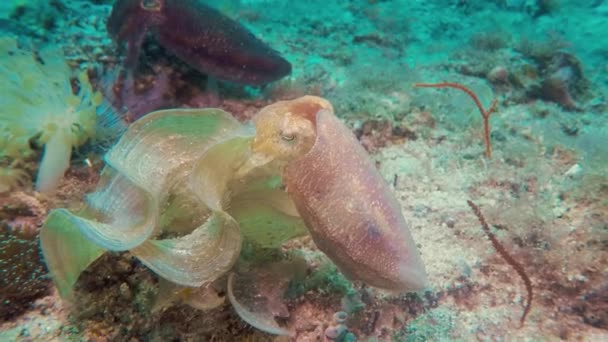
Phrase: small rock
(335, 332)
(498, 75)
(574, 172)
(340, 317)
(125, 291)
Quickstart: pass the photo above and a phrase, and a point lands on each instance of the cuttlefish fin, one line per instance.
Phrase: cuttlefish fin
(119, 216)
(267, 216)
(67, 252)
(257, 293)
(211, 177)
(162, 146)
(197, 258)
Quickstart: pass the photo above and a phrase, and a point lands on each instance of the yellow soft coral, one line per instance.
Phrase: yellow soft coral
(38, 103)
(11, 177)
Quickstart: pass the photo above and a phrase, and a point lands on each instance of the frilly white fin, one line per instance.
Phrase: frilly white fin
(256, 309)
(66, 251)
(257, 293)
(264, 185)
(184, 212)
(153, 155)
(264, 211)
(197, 258)
(263, 224)
(155, 148)
(214, 171)
(127, 214)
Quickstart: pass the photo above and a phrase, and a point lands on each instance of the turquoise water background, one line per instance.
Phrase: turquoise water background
(544, 191)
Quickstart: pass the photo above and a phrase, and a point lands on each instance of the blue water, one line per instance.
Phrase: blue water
(403, 76)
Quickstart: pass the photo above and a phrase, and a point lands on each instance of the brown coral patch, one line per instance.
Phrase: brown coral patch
(22, 272)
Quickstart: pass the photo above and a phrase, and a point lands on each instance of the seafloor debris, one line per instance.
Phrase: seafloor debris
(485, 113)
(519, 269)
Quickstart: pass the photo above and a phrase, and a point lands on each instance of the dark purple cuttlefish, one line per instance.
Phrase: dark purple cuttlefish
(199, 35)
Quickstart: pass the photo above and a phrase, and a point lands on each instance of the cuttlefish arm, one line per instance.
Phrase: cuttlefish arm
(350, 211)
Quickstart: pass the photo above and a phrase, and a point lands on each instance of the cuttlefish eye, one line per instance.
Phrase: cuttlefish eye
(288, 136)
(151, 5)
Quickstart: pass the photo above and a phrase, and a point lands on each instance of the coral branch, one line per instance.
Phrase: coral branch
(508, 258)
(485, 114)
